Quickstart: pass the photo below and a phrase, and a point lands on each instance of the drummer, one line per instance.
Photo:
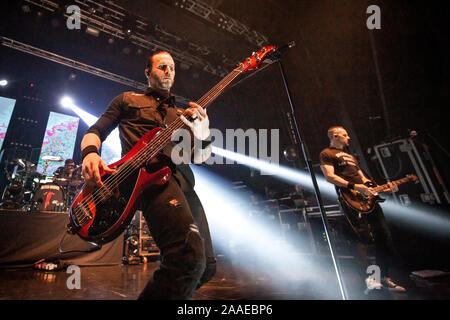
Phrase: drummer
(67, 170)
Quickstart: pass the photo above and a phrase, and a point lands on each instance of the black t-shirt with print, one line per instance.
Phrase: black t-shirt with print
(345, 165)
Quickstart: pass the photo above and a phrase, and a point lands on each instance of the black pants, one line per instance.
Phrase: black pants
(178, 225)
(370, 229)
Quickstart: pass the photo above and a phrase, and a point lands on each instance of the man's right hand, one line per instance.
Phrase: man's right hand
(93, 167)
(365, 190)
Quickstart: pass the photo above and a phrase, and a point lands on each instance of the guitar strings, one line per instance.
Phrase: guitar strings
(135, 163)
(144, 152)
(167, 132)
(162, 136)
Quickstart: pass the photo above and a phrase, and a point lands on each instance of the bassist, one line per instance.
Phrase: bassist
(173, 213)
(342, 169)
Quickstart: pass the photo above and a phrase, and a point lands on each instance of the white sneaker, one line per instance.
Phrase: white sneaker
(392, 286)
(372, 284)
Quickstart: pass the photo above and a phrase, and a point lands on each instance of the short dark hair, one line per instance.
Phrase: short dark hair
(150, 59)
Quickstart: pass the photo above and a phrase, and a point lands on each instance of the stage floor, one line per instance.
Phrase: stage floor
(231, 282)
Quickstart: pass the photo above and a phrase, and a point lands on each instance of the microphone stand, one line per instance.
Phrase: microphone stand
(313, 177)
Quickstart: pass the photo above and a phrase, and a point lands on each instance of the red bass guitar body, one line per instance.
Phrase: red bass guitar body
(98, 215)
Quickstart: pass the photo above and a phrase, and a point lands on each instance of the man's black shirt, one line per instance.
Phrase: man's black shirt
(136, 114)
(345, 165)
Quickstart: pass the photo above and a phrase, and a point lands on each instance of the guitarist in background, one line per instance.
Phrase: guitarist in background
(342, 169)
(174, 214)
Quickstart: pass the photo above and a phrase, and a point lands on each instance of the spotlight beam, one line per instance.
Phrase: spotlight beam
(112, 142)
(421, 216)
(284, 173)
(228, 214)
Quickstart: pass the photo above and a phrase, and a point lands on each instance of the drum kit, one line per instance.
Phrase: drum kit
(32, 191)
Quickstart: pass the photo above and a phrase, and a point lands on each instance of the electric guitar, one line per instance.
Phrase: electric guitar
(366, 204)
(101, 214)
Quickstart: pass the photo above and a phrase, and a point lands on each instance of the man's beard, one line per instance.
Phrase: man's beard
(163, 84)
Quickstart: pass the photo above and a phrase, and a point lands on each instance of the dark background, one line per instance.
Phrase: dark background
(332, 73)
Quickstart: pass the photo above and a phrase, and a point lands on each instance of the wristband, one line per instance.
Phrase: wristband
(88, 150)
(351, 186)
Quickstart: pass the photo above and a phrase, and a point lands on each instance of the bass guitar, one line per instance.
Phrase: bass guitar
(366, 204)
(101, 214)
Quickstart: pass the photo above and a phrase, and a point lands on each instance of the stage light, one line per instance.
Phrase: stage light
(126, 50)
(112, 142)
(92, 31)
(281, 172)
(67, 102)
(3, 83)
(26, 8)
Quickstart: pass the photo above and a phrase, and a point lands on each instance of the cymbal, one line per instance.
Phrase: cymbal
(52, 158)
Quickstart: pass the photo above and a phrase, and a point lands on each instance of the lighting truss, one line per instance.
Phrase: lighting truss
(222, 21)
(110, 18)
(16, 45)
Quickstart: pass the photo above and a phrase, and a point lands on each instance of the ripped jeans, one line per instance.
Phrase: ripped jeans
(184, 265)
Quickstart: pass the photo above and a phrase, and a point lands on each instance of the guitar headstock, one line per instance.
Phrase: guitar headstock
(256, 59)
(413, 178)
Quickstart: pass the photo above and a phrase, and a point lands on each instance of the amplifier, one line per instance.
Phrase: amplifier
(147, 247)
(139, 244)
(399, 158)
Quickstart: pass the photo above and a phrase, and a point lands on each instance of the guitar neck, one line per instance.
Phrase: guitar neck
(396, 182)
(212, 94)
(164, 138)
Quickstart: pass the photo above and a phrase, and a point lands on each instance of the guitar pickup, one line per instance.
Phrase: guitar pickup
(83, 215)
